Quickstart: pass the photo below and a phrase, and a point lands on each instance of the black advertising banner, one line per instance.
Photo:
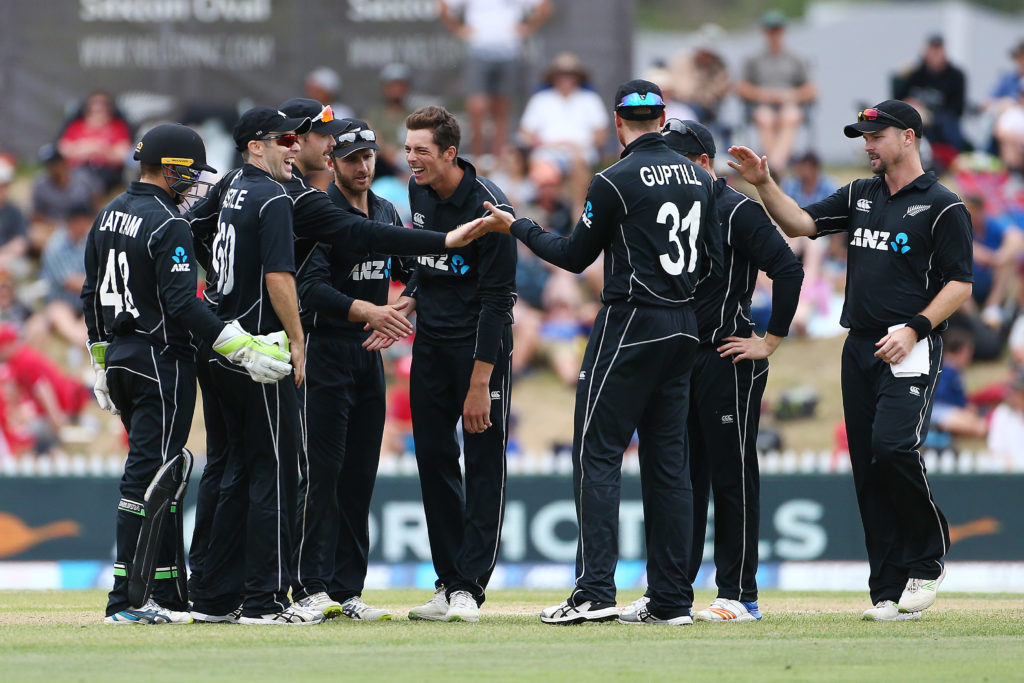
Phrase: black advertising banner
(189, 58)
(803, 517)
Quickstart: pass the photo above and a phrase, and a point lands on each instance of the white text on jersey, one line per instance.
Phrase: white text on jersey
(872, 239)
(370, 270)
(233, 198)
(123, 223)
(663, 174)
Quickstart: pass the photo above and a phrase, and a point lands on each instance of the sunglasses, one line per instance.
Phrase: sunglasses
(326, 115)
(677, 126)
(284, 139)
(635, 99)
(350, 138)
(876, 114)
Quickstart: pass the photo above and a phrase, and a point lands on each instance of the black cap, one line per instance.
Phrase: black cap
(260, 121)
(889, 113)
(173, 144)
(639, 100)
(305, 108)
(353, 138)
(688, 137)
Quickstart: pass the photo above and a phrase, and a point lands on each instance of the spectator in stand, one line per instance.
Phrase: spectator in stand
(388, 117)
(57, 187)
(13, 227)
(398, 422)
(952, 412)
(57, 397)
(1006, 427)
(512, 174)
(807, 184)
(323, 84)
(63, 269)
(567, 123)
(675, 108)
(937, 89)
(776, 87)
(1008, 89)
(493, 31)
(702, 77)
(99, 139)
(1008, 132)
(998, 248)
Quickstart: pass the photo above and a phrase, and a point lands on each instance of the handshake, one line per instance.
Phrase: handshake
(265, 357)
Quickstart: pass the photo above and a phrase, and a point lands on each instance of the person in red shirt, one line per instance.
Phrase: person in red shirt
(98, 139)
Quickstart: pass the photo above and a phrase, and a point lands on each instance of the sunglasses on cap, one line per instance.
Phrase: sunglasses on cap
(326, 115)
(350, 137)
(284, 139)
(635, 99)
(677, 126)
(873, 114)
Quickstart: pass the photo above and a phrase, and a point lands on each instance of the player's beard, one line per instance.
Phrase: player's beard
(351, 186)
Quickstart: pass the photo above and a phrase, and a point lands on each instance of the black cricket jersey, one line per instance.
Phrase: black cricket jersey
(254, 237)
(902, 248)
(750, 243)
(331, 279)
(139, 259)
(654, 215)
(463, 295)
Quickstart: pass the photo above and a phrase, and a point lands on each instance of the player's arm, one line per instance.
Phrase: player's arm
(588, 239)
(951, 257)
(710, 236)
(783, 209)
(285, 301)
(277, 254)
(754, 236)
(90, 298)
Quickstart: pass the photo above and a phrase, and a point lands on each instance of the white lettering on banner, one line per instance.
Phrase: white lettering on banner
(542, 531)
(801, 536)
(175, 50)
(374, 52)
(149, 11)
(393, 10)
(405, 530)
(631, 529)
(513, 532)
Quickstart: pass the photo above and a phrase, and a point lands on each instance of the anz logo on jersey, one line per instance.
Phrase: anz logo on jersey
(456, 264)
(879, 239)
(181, 264)
(371, 270)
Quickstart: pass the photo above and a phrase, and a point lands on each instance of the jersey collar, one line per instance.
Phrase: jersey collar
(137, 187)
(922, 183)
(645, 141)
(339, 198)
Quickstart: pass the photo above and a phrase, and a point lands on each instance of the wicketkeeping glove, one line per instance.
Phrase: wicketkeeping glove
(265, 362)
(98, 358)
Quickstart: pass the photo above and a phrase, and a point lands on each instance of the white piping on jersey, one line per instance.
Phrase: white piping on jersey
(651, 341)
(732, 262)
(274, 424)
(935, 222)
(277, 196)
(929, 396)
(505, 403)
(493, 196)
(633, 278)
(602, 175)
(305, 451)
(134, 372)
(163, 408)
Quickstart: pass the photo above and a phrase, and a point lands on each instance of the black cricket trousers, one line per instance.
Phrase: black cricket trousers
(342, 406)
(463, 522)
(886, 422)
(725, 411)
(635, 377)
(156, 395)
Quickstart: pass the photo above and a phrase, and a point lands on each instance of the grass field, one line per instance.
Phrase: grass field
(57, 636)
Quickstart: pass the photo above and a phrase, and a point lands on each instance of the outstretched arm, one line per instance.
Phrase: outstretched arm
(793, 220)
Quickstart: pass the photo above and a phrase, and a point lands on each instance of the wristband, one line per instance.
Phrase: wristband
(921, 325)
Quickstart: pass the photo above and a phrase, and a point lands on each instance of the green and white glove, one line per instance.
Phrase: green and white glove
(98, 358)
(265, 362)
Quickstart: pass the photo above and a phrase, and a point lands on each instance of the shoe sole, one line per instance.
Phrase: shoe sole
(653, 623)
(902, 616)
(267, 622)
(613, 615)
(333, 612)
(468, 620)
(386, 617)
(917, 608)
(414, 616)
(711, 620)
(143, 623)
(199, 618)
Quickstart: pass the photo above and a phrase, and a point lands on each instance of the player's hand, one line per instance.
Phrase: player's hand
(265, 359)
(753, 168)
(390, 320)
(895, 346)
(377, 341)
(99, 390)
(463, 235)
(749, 348)
(476, 411)
(499, 220)
(298, 352)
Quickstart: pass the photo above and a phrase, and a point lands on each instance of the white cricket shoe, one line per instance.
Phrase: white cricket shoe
(642, 615)
(723, 610)
(436, 608)
(887, 610)
(321, 602)
(231, 617)
(463, 607)
(920, 593)
(150, 614)
(585, 612)
(357, 610)
(294, 615)
(629, 611)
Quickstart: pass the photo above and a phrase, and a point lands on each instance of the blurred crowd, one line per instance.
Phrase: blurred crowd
(542, 148)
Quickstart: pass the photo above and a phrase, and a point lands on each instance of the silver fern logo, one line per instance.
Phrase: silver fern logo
(915, 209)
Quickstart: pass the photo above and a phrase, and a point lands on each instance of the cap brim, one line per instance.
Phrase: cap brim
(630, 113)
(682, 144)
(204, 167)
(855, 130)
(342, 152)
(300, 126)
(331, 128)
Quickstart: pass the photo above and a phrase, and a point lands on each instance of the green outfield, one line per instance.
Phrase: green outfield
(57, 635)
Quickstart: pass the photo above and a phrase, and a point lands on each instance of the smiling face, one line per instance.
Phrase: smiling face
(887, 148)
(427, 162)
(354, 173)
(315, 154)
(274, 158)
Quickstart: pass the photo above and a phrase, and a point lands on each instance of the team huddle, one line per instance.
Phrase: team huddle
(285, 344)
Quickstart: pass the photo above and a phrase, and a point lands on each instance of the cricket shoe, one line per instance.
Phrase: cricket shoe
(321, 602)
(463, 607)
(887, 610)
(723, 609)
(231, 617)
(630, 610)
(642, 615)
(150, 614)
(583, 613)
(436, 608)
(294, 615)
(357, 610)
(920, 593)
